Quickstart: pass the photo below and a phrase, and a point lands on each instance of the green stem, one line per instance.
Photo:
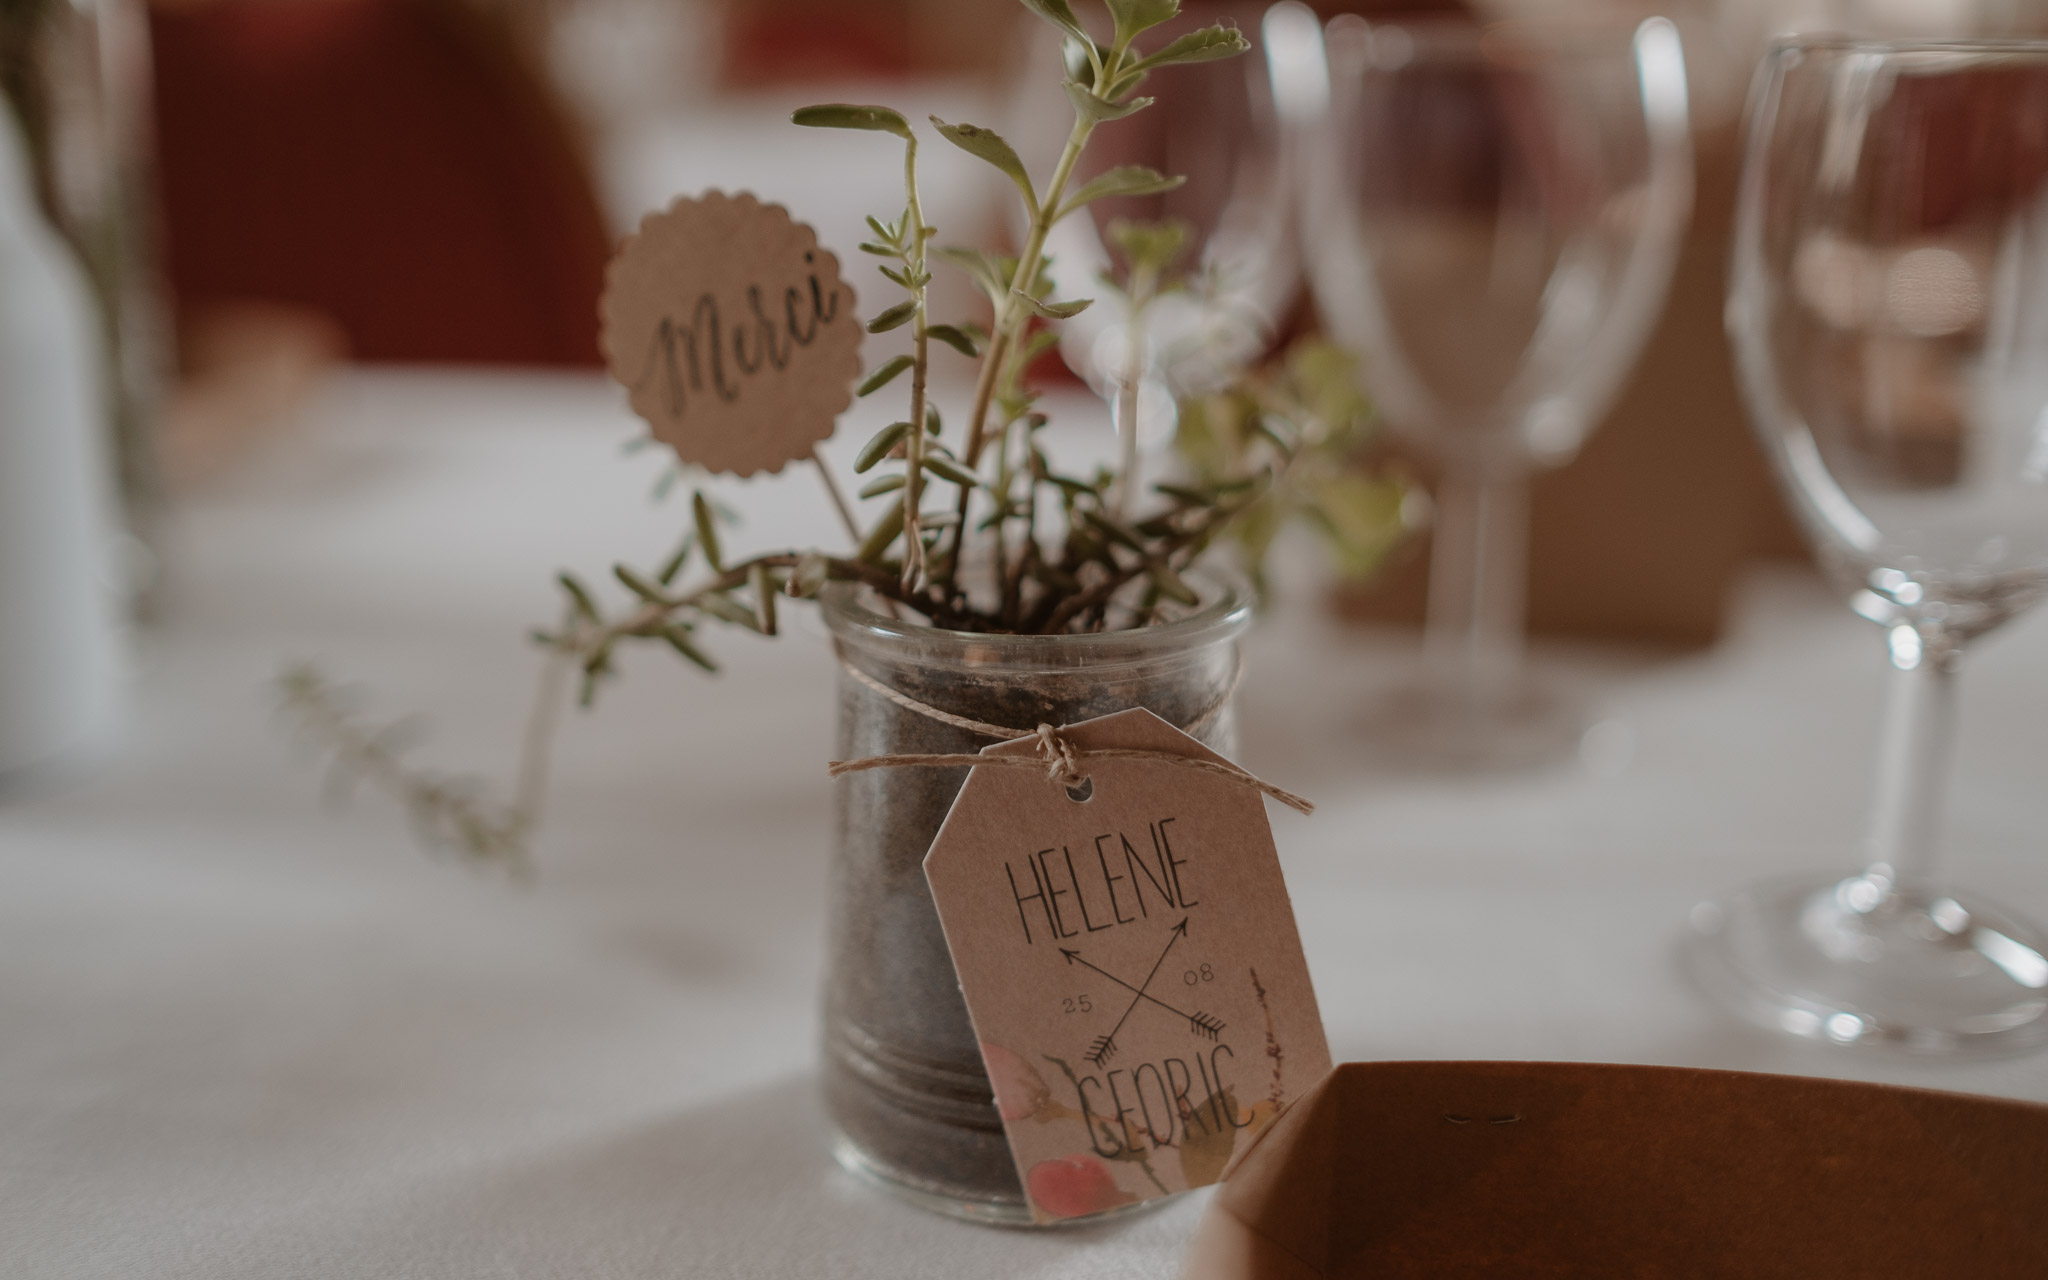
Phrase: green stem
(1009, 318)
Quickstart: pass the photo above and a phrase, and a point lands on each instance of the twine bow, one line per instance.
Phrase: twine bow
(1062, 762)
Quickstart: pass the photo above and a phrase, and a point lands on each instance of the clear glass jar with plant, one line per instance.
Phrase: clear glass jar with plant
(989, 583)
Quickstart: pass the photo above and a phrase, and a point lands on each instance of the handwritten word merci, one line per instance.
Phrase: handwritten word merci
(690, 356)
(1052, 874)
(728, 325)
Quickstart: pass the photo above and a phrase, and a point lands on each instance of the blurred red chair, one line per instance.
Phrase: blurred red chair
(390, 163)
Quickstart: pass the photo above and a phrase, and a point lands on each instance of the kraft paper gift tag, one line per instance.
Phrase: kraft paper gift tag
(1515, 1169)
(1131, 964)
(729, 326)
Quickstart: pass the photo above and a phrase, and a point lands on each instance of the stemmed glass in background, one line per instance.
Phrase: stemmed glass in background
(1889, 311)
(1493, 215)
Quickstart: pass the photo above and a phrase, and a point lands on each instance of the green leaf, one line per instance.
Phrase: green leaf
(988, 145)
(1114, 531)
(954, 337)
(883, 376)
(1034, 346)
(1136, 16)
(1207, 45)
(951, 470)
(679, 639)
(1171, 586)
(1083, 58)
(879, 250)
(894, 318)
(1359, 517)
(882, 536)
(1053, 310)
(1102, 109)
(1326, 380)
(932, 425)
(887, 484)
(1059, 14)
(674, 564)
(878, 446)
(883, 231)
(811, 573)
(599, 663)
(1268, 425)
(840, 115)
(638, 585)
(707, 531)
(1124, 180)
(986, 269)
(724, 607)
(765, 591)
(580, 595)
(1150, 246)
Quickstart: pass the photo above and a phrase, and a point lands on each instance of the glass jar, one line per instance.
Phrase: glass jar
(905, 1090)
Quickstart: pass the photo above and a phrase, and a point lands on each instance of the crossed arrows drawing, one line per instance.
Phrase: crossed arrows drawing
(1103, 1047)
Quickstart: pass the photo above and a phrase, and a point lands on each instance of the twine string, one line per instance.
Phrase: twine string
(1057, 756)
(1193, 727)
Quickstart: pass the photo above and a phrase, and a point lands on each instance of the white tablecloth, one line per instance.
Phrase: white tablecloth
(245, 1036)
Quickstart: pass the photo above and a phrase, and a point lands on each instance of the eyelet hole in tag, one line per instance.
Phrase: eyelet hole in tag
(1129, 960)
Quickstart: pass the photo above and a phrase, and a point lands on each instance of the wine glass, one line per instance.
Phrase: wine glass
(1493, 218)
(1888, 306)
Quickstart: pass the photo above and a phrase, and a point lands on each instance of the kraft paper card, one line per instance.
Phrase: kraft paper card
(1392, 1170)
(1131, 964)
(732, 332)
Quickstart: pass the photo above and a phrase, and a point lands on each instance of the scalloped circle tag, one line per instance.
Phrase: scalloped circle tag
(732, 332)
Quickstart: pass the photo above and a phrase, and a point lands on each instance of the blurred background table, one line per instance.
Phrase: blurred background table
(243, 1036)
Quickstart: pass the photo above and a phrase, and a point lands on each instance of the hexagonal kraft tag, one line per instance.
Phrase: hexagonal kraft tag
(731, 331)
(1131, 965)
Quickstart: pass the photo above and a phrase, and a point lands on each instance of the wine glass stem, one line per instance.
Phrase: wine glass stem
(1479, 565)
(1915, 754)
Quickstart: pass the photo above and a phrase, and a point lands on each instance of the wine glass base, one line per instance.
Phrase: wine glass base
(1840, 961)
(1427, 727)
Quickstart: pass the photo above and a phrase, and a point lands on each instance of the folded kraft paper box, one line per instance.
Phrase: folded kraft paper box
(1505, 1169)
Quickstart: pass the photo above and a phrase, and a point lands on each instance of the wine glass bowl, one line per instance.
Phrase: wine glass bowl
(1888, 305)
(1493, 218)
